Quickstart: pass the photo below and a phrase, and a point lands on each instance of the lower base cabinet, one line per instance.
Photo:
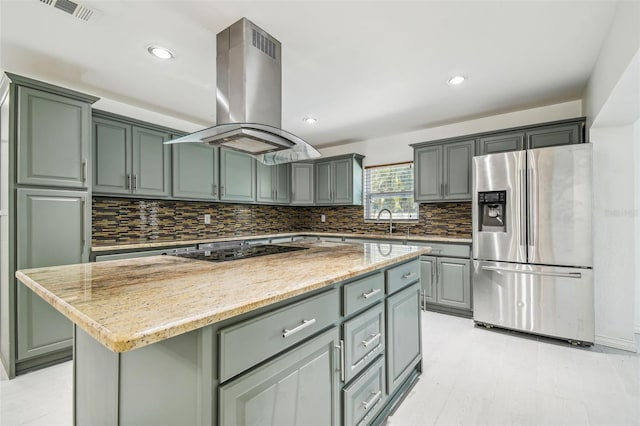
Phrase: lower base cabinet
(404, 339)
(364, 398)
(299, 388)
(446, 281)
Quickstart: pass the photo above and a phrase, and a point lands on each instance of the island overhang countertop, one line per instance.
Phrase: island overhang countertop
(128, 304)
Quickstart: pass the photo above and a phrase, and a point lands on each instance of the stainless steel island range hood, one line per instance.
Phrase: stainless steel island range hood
(249, 98)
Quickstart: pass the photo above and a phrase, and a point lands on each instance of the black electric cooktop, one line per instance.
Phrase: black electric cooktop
(241, 252)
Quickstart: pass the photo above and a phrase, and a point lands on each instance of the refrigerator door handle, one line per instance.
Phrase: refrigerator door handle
(532, 189)
(523, 208)
(546, 274)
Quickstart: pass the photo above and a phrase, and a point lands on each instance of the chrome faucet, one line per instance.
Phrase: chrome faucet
(390, 219)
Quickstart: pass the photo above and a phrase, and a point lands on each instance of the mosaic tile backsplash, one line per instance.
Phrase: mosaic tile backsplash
(123, 220)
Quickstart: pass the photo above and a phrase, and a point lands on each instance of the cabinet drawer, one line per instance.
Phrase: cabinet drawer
(251, 342)
(362, 293)
(403, 275)
(363, 398)
(363, 339)
(449, 250)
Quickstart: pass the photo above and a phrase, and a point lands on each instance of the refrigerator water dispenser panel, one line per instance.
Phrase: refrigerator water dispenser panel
(492, 206)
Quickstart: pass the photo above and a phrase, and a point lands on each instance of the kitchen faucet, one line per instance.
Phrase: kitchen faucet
(390, 219)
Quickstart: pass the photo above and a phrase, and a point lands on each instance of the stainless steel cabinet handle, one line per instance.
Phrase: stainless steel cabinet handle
(544, 274)
(342, 361)
(441, 189)
(433, 270)
(372, 400)
(127, 181)
(135, 181)
(221, 190)
(371, 293)
(373, 338)
(305, 323)
(84, 171)
(214, 189)
(437, 272)
(83, 213)
(409, 276)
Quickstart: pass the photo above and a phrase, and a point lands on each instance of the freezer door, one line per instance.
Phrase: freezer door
(559, 200)
(501, 172)
(544, 300)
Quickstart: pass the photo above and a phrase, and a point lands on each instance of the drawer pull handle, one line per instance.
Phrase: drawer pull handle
(372, 400)
(373, 338)
(372, 293)
(305, 323)
(409, 275)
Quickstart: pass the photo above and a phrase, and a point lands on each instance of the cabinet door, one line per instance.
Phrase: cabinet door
(555, 135)
(302, 183)
(195, 171)
(237, 176)
(299, 388)
(342, 181)
(265, 182)
(324, 188)
(500, 143)
(403, 335)
(427, 281)
(282, 184)
(454, 282)
(53, 139)
(53, 230)
(457, 170)
(111, 157)
(151, 162)
(428, 173)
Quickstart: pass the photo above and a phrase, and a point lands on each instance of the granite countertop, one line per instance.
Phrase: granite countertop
(107, 247)
(128, 304)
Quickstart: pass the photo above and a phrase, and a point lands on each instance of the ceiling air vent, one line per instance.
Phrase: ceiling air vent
(263, 43)
(72, 8)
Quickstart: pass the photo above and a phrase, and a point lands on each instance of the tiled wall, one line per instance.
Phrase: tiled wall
(123, 220)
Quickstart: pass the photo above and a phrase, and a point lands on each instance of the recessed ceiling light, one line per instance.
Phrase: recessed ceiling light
(455, 80)
(310, 120)
(160, 52)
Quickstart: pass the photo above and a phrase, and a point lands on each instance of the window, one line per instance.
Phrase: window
(390, 187)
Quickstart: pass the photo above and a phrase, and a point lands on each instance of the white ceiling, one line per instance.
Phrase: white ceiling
(363, 68)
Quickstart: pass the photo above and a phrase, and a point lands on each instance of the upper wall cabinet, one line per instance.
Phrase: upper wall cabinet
(272, 185)
(130, 159)
(53, 139)
(564, 132)
(338, 180)
(443, 171)
(195, 171)
(237, 176)
(302, 184)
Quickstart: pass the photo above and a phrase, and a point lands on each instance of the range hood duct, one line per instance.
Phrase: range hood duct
(249, 98)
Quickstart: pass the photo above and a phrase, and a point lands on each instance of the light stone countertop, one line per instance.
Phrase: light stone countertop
(131, 303)
(108, 247)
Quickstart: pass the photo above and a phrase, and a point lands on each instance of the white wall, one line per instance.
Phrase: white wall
(614, 239)
(612, 105)
(396, 149)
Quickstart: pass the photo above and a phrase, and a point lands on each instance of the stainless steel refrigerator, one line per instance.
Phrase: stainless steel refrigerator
(532, 242)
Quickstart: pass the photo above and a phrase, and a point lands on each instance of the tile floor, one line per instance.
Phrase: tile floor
(472, 376)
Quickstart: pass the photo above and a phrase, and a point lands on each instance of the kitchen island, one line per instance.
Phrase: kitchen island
(324, 335)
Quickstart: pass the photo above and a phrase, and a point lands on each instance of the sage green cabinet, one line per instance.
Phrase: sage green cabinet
(272, 185)
(453, 285)
(237, 176)
(500, 143)
(53, 139)
(195, 171)
(428, 265)
(443, 171)
(563, 134)
(338, 180)
(54, 230)
(403, 335)
(129, 159)
(298, 388)
(302, 184)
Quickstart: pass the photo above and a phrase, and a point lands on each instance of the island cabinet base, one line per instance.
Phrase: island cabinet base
(342, 355)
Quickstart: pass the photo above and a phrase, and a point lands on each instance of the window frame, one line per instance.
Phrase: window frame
(367, 195)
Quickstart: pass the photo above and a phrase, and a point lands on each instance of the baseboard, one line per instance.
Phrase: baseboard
(616, 342)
